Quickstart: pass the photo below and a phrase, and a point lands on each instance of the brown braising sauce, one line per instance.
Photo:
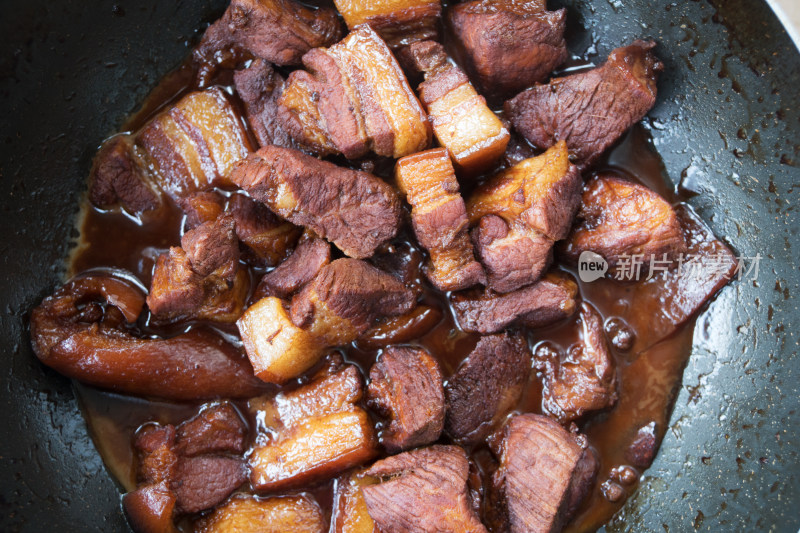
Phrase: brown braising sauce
(647, 381)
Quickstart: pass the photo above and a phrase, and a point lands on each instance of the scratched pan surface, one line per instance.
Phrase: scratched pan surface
(727, 122)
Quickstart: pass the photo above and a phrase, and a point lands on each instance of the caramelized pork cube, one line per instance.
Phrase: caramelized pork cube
(176, 290)
(354, 210)
(301, 267)
(202, 482)
(201, 207)
(259, 88)
(155, 450)
(194, 144)
(462, 122)
(483, 311)
(118, 177)
(406, 387)
(509, 45)
(354, 98)
(216, 429)
(267, 239)
(398, 22)
(620, 218)
(589, 110)
(350, 514)
(520, 213)
(586, 380)
(150, 509)
(212, 248)
(346, 298)
(439, 218)
(486, 387)
(279, 31)
(247, 514)
(277, 349)
(422, 491)
(315, 431)
(544, 473)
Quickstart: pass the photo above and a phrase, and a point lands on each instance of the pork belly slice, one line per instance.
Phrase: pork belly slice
(406, 388)
(193, 145)
(520, 213)
(200, 207)
(313, 432)
(266, 239)
(292, 275)
(545, 472)
(201, 279)
(508, 45)
(422, 491)
(248, 514)
(620, 218)
(218, 428)
(259, 88)
(585, 380)
(462, 122)
(439, 218)
(150, 509)
(549, 300)
(398, 22)
(350, 514)
(486, 387)
(120, 177)
(278, 31)
(589, 110)
(354, 99)
(354, 210)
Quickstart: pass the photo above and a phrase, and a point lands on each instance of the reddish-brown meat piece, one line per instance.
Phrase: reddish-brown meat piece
(620, 218)
(279, 31)
(216, 429)
(544, 473)
(586, 379)
(150, 509)
(355, 210)
(201, 207)
(117, 177)
(301, 267)
(425, 492)
(243, 513)
(212, 248)
(406, 387)
(267, 240)
(401, 329)
(175, 290)
(540, 304)
(509, 45)
(202, 482)
(155, 447)
(589, 110)
(486, 387)
(398, 22)
(346, 298)
(259, 88)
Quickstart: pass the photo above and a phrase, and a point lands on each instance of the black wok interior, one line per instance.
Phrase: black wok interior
(727, 124)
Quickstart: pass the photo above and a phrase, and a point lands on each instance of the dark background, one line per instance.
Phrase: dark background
(727, 123)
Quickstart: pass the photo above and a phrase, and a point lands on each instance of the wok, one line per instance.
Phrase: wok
(727, 125)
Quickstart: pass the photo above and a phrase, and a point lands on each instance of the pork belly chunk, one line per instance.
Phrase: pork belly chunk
(350, 514)
(293, 274)
(398, 22)
(278, 31)
(520, 213)
(508, 45)
(353, 99)
(423, 491)
(259, 88)
(620, 218)
(313, 432)
(439, 218)
(265, 238)
(406, 387)
(589, 110)
(484, 311)
(217, 428)
(120, 177)
(200, 207)
(193, 145)
(462, 122)
(150, 509)
(545, 472)
(354, 210)
(486, 387)
(585, 380)
(212, 248)
(248, 514)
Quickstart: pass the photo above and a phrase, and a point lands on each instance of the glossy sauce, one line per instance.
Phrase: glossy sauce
(647, 381)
